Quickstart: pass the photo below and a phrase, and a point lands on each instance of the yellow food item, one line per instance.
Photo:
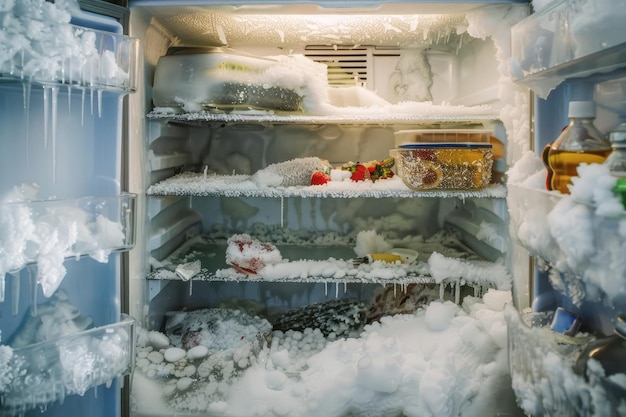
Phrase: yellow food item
(459, 156)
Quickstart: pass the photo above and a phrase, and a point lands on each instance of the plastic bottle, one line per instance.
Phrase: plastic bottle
(580, 142)
(617, 159)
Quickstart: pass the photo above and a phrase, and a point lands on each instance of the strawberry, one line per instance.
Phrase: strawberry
(319, 178)
(360, 173)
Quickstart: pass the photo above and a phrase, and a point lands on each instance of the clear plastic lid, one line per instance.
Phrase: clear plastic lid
(451, 145)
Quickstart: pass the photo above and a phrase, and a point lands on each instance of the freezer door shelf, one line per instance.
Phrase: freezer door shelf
(50, 231)
(100, 60)
(567, 40)
(554, 227)
(43, 373)
(542, 365)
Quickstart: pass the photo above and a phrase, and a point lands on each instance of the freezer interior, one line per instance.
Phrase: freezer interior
(241, 104)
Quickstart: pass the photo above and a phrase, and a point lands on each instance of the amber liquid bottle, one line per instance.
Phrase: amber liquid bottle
(580, 142)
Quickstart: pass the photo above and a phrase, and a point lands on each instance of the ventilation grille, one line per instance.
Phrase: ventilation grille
(347, 65)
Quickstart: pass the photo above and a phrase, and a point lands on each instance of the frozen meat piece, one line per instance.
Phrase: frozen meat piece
(290, 173)
(248, 255)
(217, 329)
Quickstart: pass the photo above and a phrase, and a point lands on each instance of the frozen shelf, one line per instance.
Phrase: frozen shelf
(49, 231)
(333, 264)
(542, 370)
(380, 118)
(96, 59)
(197, 184)
(43, 373)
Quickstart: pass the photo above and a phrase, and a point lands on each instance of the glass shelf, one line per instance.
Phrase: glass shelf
(542, 362)
(365, 118)
(43, 373)
(197, 184)
(99, 60)
(334, 264)
(49, 231)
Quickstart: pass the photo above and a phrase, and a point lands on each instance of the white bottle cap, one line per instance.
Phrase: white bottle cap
(618, 135)
(583, 109)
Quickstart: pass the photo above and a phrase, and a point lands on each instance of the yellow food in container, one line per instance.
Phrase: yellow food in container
(433, 166)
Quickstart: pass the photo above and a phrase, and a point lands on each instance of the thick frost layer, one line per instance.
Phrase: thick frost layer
(41, 44)
(443, 360)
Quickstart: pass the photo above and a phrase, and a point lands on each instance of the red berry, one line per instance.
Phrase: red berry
(319, 178)
(361, 173)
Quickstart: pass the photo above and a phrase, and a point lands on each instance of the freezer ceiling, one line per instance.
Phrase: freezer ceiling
(413, 25)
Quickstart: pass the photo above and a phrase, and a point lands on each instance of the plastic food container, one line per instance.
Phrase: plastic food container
(404, 137)
(215, 78)
(432, 166)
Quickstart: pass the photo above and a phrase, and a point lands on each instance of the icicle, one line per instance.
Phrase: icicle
(22, 64)
(91, 99)
(282, 212)
(99, 93)
(325, 289)
(457, 293)
(46, 116)
(206, 169)
(15, 293)
(69, 99)
(62, 71)
(442, 288)
(32, 277)
(2, 287)
(394, 290)
(82, 107)
(190, 287)
(345, 287)
(26, 89)
(55, 96)
(336, 290)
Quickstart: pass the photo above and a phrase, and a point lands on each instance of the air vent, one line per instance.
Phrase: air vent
(347, 65)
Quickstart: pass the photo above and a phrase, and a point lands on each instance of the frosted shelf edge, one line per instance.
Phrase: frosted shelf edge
(43, 373)
(196, 184)
(401, 279)
(8, 79)
(269, 117)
